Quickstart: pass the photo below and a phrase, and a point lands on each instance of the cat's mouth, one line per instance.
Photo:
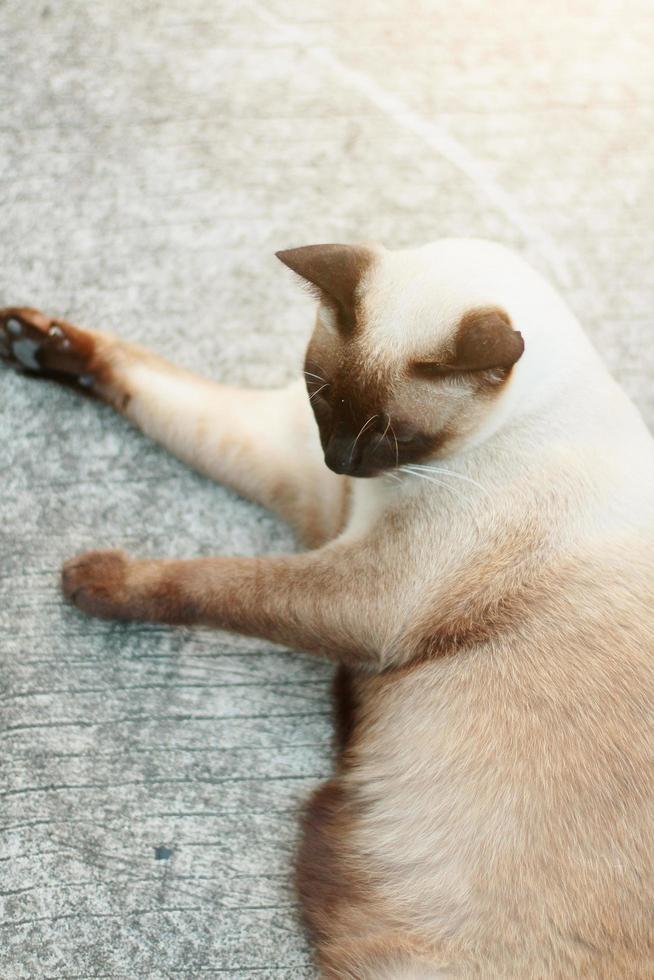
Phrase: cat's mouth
(357, 470)
(369, 454)
(345, 457)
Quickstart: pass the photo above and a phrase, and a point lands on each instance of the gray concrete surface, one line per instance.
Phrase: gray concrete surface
(152, 158)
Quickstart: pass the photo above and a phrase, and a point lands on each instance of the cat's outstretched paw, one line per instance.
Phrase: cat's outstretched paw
(96, 582)
(42, 346)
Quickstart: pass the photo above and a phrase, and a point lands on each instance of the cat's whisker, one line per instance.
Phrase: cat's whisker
(397, 448)
(361, 431)
(416, 470)
(383, 435)
(317, 392)
(458, 476)
(429, 479)
(443, 469)
(310, 374)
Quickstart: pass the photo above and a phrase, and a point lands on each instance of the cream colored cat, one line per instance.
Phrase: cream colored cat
(488, 592)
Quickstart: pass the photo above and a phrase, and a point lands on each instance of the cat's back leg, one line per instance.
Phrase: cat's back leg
(352, 934)
(262, 443)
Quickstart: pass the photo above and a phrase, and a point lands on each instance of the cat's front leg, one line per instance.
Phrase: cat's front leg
(263, 443)
(47, 347)
(326, 601)
(111, 585)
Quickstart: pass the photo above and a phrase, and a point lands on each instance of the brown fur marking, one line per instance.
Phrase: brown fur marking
(357, 434)
(336, 271)
(53, 349)
(485, 341)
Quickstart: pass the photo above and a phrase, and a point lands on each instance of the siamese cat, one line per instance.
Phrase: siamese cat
(476, 496)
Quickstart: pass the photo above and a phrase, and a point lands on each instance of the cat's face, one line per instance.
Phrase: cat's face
(396, 371)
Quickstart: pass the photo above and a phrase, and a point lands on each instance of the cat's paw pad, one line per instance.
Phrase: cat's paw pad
(96, 582)
(33, 342)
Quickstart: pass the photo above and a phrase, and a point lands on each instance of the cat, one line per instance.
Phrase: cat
(475, 493)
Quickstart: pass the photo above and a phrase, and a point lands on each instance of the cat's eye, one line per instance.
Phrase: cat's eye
(320, 403)
(404, 434)
(435, 369)
(318, 393)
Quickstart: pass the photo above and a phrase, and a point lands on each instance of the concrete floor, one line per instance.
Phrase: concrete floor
(152, 158)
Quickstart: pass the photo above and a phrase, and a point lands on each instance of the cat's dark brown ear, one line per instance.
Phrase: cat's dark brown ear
(335, 270)
(486, 339)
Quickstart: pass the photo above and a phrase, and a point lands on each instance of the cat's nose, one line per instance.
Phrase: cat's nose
(341, 455)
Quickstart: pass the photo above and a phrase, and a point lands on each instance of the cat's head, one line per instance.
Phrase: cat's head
(409, 358)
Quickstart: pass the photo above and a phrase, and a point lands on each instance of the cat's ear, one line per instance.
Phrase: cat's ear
(486, 339)
(334, 270)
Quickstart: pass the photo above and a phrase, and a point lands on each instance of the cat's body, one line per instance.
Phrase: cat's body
(492, 810)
